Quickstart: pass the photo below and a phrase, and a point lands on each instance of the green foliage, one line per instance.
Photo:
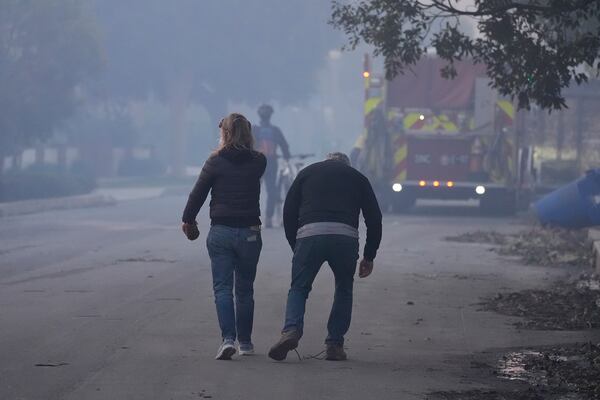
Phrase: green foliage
(532, 49)
(46, 181)
(47, 49)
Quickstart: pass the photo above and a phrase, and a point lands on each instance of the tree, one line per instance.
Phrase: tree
(47, 50)
(532, 49)
(212, 52)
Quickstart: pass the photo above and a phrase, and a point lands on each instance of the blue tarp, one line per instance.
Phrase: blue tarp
(576, 205)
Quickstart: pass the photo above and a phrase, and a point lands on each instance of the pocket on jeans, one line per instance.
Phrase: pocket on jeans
(216, 238)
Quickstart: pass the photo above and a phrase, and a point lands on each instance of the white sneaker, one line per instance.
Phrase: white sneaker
(246, 349)
(226, 351)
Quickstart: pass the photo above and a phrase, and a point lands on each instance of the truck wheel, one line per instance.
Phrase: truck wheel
(402, 204)
(524, 202)
(498, 203)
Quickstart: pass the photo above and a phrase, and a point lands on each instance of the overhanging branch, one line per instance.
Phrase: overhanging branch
(449, 7)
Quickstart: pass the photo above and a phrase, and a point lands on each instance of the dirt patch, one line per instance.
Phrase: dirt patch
(567, 305)
(558, 372)
(552, 247)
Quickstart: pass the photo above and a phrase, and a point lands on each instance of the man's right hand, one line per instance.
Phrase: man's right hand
(190, 230)
(365, 268)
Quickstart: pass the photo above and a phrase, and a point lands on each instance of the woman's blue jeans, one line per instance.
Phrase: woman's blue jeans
(234, 254)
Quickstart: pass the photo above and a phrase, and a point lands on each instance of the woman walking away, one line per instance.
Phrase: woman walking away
(233, 173)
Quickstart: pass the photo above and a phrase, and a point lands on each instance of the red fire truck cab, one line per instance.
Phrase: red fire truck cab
(448, 139)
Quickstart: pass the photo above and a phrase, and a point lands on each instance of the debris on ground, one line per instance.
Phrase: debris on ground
(569, 371)
(485, 395)
(52, 365)
(568, 368)
(552, 247)
(567, 305)
(487, 237)
(545, 373)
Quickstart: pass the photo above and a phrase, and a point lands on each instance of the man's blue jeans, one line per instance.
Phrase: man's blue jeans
(341, 253)
(234, 254)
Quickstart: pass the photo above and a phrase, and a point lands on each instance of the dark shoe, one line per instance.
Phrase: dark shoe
(246, 349)
(335, 352)
(288, 342)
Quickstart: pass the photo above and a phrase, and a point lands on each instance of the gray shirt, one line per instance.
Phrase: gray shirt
(327, 228)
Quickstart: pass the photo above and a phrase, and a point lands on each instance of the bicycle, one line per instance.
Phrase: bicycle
(286, 176)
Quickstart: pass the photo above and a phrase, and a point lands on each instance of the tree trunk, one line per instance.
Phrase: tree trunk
(18, 160)
(2, 158)
(579, 127)
(179, 93)
(178, 112)
(216, 108)
(3, 155)
(39, 154)
(542, 134)
(62, 156)
(560, 135)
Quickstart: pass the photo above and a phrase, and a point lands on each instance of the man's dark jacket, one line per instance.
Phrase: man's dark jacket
(331, 191)
(234, 177)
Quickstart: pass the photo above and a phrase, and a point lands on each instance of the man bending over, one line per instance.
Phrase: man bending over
(320, 217)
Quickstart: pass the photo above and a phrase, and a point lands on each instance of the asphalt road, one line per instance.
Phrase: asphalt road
(114, 303)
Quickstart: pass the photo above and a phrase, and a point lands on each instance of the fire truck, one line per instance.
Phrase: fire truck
(443, 139)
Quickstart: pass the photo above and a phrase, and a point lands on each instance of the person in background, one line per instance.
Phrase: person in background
(268, 139)
(320, 216)
(232, 174)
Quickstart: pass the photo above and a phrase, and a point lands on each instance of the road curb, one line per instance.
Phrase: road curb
(25, 207)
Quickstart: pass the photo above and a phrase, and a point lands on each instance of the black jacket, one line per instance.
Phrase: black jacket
(331, 191)
(234, 177)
